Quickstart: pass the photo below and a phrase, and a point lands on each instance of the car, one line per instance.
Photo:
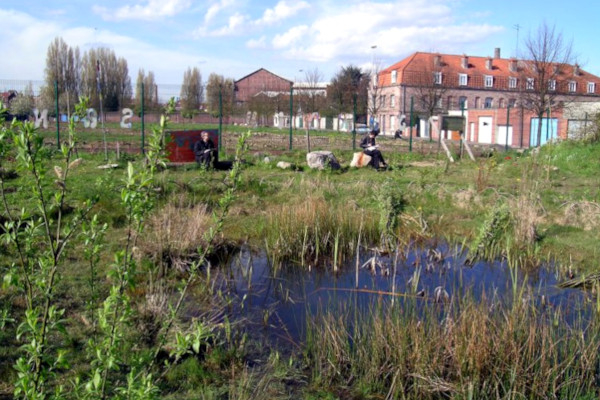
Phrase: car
(362, 129)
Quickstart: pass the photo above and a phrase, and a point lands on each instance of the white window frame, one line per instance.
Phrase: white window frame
(488, 81)
(591, 87)
(394, 76)
(552, 85)
(392, 100)
(572, 86)
(530, 83)
(463, 79)
(437, 78)
(489, 104)
(512, 82)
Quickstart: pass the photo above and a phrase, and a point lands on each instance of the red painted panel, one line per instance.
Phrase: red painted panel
(180, 146)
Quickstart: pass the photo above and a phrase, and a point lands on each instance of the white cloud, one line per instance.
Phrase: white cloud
(281, 11)
(216, 8)
(152, 10)
(292, 36)
(260, 43)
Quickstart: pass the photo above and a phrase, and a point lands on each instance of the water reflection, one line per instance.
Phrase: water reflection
(276, 301)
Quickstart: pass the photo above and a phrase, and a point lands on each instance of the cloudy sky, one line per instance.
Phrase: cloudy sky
(288, 37)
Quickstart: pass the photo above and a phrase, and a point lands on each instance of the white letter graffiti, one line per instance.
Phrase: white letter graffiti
(91, 118)
(125, 120)
(41, 119)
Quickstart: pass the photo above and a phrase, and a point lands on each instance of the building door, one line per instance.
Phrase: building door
(485, 130)
(549, 130)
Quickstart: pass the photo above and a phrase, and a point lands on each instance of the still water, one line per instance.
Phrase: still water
(277, 301)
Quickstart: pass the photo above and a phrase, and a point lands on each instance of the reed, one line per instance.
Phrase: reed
(464, 349)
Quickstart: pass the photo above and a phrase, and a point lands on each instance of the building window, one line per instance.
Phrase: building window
(572, 86)
(488, 102)
(512, 102)
(552, 85)
(394, 76)
(462, 79)
(392, 100)
(383, 100)
(449, 102)
(477, 102)
(462, 102)
(437, 78)
(512, 82)
(439, 103)
(502, 103)
(489, 81)
(530, 82)
(591, 87)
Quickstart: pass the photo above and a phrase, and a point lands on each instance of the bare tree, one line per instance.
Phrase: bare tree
(150, 92)
(547, 58)
(63, 65)
(374, 101)
(219, 92)
(104, 75)
(192, 92)
(430, 89)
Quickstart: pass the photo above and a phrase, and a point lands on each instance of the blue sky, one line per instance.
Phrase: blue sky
(287, 37)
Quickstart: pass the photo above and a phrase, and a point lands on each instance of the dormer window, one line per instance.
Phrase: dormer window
(489, 81)
(394, 76)
(462, 79)
(530, 83)
(572, 86)
(591, 87)
(512, 82)
(552, 85)
(437, 78)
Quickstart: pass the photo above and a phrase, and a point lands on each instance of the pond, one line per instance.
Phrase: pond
(277, 301)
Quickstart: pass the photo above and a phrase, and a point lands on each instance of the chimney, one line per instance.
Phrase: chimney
(555, 69)
(512, 65)
(576, 71)
(488, 63)
(464, 61)
(497, 52)
(437, 60)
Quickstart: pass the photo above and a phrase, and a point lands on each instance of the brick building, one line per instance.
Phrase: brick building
(481, 89)
(260, 81)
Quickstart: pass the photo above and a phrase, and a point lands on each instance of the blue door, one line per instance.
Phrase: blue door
(549, 130)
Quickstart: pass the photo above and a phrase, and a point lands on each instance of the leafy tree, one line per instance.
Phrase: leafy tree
(150, 92)
(349, 87)
(216, 87)
(102, 70)
(22, 106)
(548, 59)
(192, 92)
(63, 65)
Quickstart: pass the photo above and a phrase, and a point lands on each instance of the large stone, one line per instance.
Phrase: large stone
(322, 159)
(285, 165)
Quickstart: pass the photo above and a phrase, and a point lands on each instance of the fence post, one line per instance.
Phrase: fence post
(220, 116)
(411, 125)
(354, 123)
(142, 116)
(57, 115)
(507, 127)
(291, 112)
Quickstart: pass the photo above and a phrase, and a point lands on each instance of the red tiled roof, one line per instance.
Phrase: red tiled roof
(451, 66)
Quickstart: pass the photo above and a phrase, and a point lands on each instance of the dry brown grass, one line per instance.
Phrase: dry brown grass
(582, 214)
(176, 231)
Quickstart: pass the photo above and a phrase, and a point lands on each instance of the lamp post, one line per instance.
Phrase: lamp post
(373, 97)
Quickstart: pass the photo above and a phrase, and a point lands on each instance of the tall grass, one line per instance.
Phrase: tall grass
(466, 349)
(314, 229)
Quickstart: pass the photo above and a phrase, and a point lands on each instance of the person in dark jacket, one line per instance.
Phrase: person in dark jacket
(370, 148)
(204, 150)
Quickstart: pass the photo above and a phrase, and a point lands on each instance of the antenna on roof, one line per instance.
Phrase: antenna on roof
(517, 27)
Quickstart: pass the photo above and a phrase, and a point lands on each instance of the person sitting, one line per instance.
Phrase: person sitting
(204, 150)
(370, 148)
